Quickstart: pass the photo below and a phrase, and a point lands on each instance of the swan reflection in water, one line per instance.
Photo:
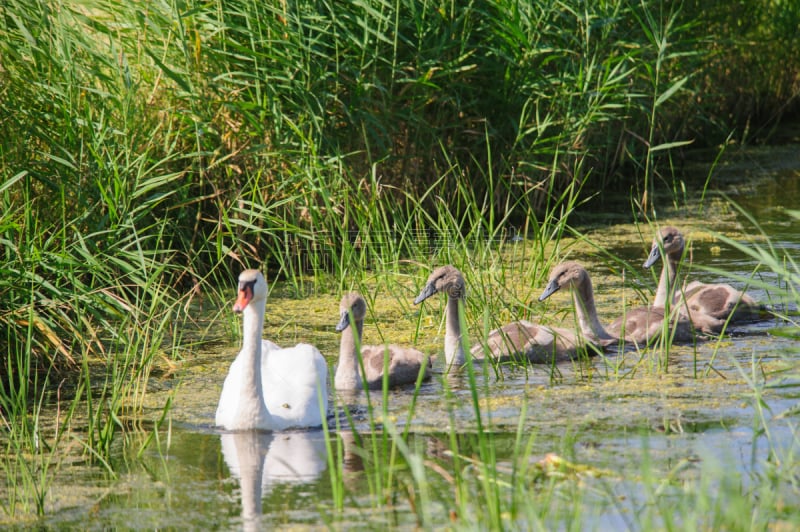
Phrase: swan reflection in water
(260, 460)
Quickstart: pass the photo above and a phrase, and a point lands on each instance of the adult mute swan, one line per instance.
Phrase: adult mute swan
(404, 363)
(638, 326)
(269, 388)
(517, 340)
(707, 306)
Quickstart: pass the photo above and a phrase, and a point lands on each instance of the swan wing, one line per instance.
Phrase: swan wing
(555, 344)
(641, 325)
(295, 386)
(404, 364)
(638, 325)
(717, 300)
(519, 339)
(267, 346)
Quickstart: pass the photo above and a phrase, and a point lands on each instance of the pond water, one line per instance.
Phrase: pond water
(603, 415)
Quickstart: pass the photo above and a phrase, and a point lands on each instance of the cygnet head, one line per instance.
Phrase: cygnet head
(566, 275)
(669, 242)
(352, 304)
(445, 279)
(252, 288)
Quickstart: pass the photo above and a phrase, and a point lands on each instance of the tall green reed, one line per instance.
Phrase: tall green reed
(390, 93)
(114, 339)
(85, 252)
(664, 30)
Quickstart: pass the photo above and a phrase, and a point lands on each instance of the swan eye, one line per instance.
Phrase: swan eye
(249, 286)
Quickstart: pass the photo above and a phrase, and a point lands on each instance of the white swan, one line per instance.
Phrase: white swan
(404, 363)
(269, 388)
(638, 326)
(519, 340)
(707, 306)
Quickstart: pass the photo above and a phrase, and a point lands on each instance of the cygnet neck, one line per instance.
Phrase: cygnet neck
(586, 310)
(453, 346)
(347, 374)
(667, 280)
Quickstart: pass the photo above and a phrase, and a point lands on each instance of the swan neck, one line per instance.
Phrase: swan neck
(666, 282)
(586, 310)
(347, 376)
(453, 345)
(251, 349)
(252, 325)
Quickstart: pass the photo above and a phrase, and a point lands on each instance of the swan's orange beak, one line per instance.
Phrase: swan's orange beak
(245, 295)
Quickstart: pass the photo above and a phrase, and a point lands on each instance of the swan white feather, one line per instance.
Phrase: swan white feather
(268, 387)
